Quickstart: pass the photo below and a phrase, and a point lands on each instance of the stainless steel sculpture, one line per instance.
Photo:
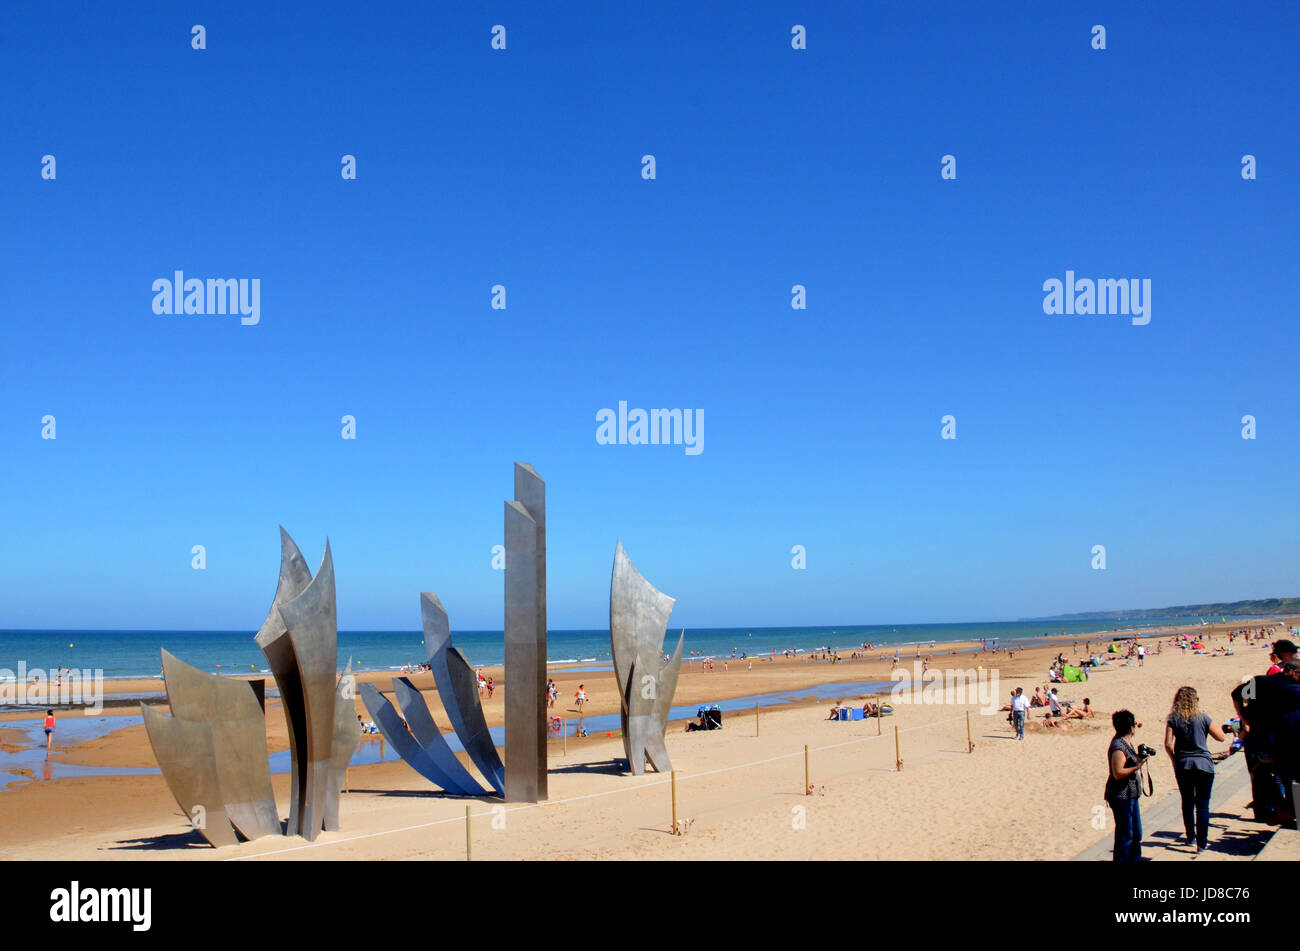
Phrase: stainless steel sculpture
(435, 762)
(458, 690)
(418, 739)
(212, 749)
(638, 619)
(300, 641)
(347, 737)
(525, 629)
(212, 753)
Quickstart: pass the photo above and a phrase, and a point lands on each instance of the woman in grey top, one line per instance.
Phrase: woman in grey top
(1185, 736)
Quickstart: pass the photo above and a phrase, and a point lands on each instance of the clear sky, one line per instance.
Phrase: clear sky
(523, 167)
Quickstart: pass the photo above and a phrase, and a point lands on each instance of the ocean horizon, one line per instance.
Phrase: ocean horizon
(134, 653)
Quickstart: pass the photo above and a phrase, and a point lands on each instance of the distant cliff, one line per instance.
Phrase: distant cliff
(1261, 608)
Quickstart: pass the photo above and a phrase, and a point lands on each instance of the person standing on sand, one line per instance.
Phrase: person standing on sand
(1019, 710)
(49, 730)
(580, 697)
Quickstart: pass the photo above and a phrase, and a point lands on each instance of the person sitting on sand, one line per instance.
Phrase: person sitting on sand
(1081, 713)
(835, 711)
(1039, 699)
(1055, 701)
(869, 709)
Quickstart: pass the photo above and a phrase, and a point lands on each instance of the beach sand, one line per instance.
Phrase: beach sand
(743, 794)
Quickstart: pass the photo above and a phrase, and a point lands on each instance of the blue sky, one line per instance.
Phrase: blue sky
(775, 167)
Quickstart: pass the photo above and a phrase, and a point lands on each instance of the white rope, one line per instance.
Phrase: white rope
(609, 792)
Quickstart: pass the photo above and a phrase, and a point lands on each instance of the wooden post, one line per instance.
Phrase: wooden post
(564, 731)
(880, 716)
(898, 752)
(469, 848)
(807, 786)
(756, 718)
(675, 802)
(970, 744)
(346, 784)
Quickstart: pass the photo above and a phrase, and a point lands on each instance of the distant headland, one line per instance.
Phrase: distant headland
(1260, 608)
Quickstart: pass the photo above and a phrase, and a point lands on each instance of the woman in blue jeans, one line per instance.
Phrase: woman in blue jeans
(1185, 734)
(1123, 792)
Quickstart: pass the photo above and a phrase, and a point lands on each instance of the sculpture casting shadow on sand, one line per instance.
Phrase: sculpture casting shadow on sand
(418, 741)
(212, 749)
(638, 620)
(413, 733)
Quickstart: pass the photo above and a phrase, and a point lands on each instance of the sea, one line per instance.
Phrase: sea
(134, 654)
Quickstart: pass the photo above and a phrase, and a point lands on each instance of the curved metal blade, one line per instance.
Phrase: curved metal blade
(458, 691)
(395, 732)
(426, 733)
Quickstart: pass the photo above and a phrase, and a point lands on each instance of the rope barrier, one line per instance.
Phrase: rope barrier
(588, 796)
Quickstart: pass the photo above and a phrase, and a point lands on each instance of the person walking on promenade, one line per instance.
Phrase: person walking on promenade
(1185, 734)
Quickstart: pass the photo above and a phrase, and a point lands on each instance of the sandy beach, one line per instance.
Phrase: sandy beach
(740, 790)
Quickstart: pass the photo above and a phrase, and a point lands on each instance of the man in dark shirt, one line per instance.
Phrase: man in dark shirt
(1268, 706)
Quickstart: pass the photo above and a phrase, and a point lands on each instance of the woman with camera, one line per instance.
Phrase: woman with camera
(1185, 734)
(1123, 787)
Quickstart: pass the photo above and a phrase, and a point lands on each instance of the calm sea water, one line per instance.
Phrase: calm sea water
(135, 653)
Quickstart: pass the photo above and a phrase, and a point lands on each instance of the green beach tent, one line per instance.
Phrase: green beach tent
(1073, 675)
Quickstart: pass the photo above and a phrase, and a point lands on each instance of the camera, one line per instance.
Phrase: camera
(1147, 751)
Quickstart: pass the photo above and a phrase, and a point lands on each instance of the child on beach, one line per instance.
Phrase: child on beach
(580, 697)
(49, 729)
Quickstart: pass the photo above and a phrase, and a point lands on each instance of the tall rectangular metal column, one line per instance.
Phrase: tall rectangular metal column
(525, 626)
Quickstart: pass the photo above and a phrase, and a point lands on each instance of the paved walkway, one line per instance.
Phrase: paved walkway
(1233, 837)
